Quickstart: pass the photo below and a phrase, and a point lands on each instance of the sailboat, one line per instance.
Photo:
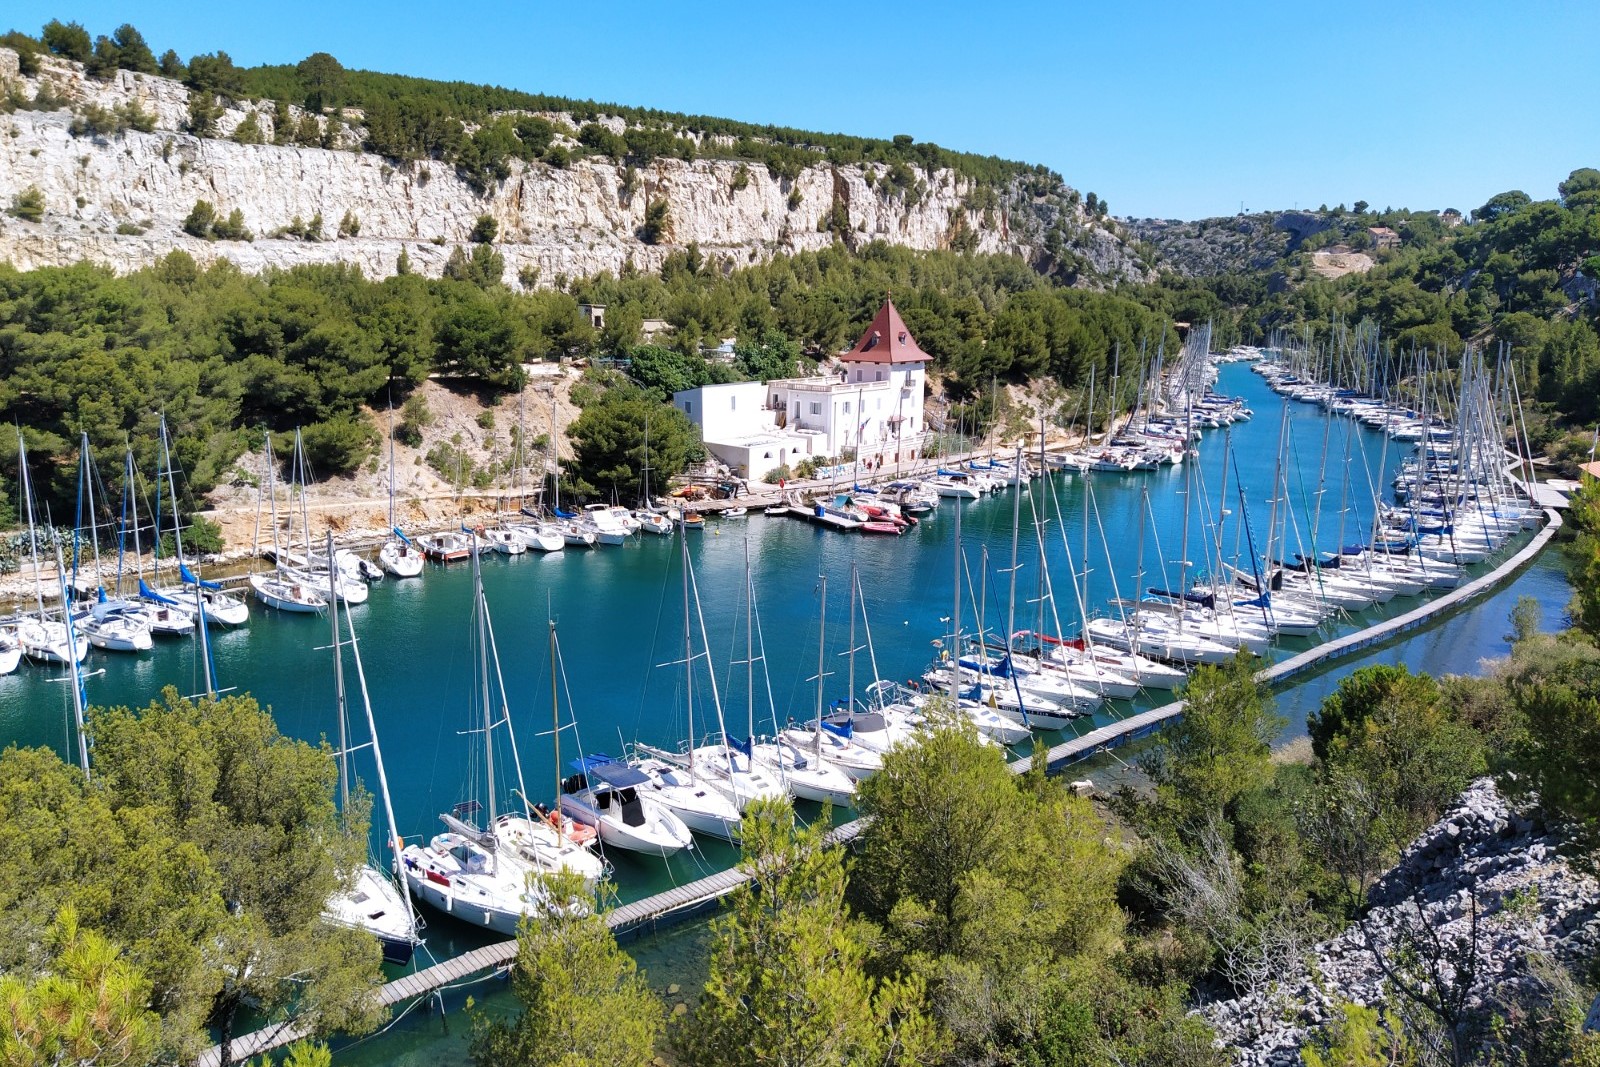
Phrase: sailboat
(682, 784)
(370, 900)
(195, 596)
(807, 770)
(616, 799)
(650, 520)
(723, 765)
(398, 556)
(41, 638)
(473, 872)
(347, 569)
(854, 743)
(282, 590)
(101, 622)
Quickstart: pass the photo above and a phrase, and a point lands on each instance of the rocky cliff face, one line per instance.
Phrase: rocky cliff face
(1528, 902)
(1226, 246)
(121, 199)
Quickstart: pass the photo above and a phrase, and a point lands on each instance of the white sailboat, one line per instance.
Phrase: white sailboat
(282, 589)
(684, 784)
(369, 900)
(398, 556)
(41, 638)
(197, 597)
(485, 875)
(725, 765)
(805, 769)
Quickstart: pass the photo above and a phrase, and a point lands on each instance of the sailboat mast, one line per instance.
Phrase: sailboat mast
(1016, 530)
(850, 676)
(555, 723)
(483, 682)
(688, 647)
(74, 669)
(395, 841)
(955, 618)
(822, 640)
(340, 704)
(392, 524)
(749, 642)
(33, 538)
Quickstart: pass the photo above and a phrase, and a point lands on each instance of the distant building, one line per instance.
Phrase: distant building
(593, 314)
(1383, 237)
(650, 329)
(873, 407)
(1450, 217)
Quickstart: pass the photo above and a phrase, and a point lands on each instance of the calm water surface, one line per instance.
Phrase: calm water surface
(619, 615)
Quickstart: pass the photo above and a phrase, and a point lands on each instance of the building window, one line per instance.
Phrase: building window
(816, 408)
(880, 403)
(847, 407)
(880, 376)
(688, 407)
(733, 403)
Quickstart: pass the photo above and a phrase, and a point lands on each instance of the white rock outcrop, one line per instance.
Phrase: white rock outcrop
(570, 221)
(1529, 901)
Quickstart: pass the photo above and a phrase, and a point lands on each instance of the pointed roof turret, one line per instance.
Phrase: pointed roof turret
(886, 341)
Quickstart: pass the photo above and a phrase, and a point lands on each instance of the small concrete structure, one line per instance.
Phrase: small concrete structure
(1383, 238)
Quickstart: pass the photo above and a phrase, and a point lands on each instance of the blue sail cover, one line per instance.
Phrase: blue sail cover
(403, 538)
(150, 594)
(740, 746)
(839, 729)
(564, 514)
(190, 579)
(1001, 669)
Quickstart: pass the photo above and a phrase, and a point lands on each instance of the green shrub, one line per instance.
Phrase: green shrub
(249, 131)
(202, 217)
(28, 205)
(485, 230)
(657, 222)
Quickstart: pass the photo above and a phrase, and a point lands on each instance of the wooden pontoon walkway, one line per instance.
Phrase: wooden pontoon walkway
(693, 898)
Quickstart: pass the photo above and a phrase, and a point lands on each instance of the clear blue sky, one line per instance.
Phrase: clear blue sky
(1166, 109)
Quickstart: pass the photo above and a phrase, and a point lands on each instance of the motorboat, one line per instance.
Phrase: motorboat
(616, 799)
(446, 547)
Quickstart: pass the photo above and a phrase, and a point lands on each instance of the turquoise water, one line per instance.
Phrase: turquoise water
(620, 622)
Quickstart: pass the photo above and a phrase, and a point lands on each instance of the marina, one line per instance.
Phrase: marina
(622, 632)
(696, 898)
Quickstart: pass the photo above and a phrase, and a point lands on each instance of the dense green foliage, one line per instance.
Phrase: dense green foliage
(1521, 274)
(622, 431)
(223, 354)
(417, 118)
(789, 980)
(203, 850)
(584, 1003)
(999, 893)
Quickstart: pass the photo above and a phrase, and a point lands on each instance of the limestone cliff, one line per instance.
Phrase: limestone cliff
(121, 198)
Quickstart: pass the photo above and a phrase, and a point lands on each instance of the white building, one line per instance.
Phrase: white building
(872, 408)
(739, 429)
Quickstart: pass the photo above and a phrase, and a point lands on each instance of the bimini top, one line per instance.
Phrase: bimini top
(886, 341)
(599, 767)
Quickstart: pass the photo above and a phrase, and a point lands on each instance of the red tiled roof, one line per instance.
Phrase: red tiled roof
(886, 341)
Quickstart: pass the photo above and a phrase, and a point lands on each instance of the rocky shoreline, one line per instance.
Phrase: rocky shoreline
(1485, 868)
